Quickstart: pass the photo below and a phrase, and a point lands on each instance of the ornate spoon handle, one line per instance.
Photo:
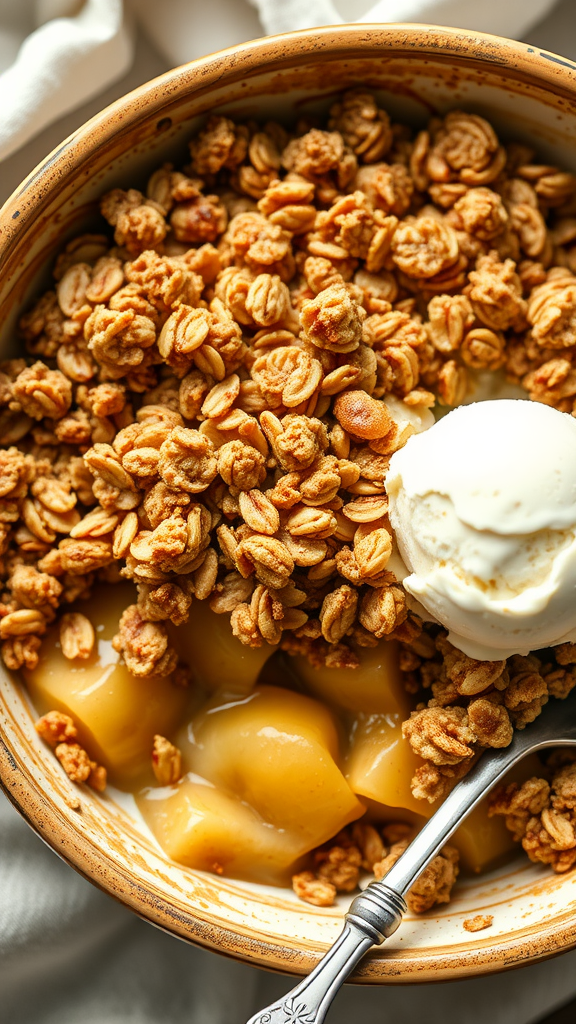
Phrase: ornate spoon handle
(308, 1002)
(377, 912)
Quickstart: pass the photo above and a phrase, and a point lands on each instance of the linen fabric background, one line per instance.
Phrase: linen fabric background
(68, 953)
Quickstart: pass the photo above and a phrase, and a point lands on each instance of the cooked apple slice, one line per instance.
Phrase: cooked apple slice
(203, 827)
(277, 751)
(217, 659)
(381, 763)
(277, 791)
(374, 687)
(482, 841)
(117, 714)
(380, 767)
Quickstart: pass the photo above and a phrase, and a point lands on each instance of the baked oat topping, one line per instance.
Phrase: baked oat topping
(76, 636)
(541, 815)
(166, 761)
(317, 891)
(434, 884)
(59, 732)
(478, 923)
(337, 866)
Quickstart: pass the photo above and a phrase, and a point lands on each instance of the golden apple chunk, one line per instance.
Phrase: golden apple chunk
(203, 827)
(272, 757)
(380, 762)
(116, 713)
(216, 658)
(374, 687)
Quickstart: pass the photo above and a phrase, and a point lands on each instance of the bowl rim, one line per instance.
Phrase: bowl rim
(520, 62)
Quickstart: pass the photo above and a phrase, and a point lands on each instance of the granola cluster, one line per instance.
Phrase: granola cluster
(473, 705)
(541, 814)
(337, 866)
(478, 923)
(166, 761)
(60, 733)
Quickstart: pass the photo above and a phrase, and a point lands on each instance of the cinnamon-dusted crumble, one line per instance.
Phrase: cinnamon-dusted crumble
(478, 923)
(337, 866)
(76, 636)
(474, 704)
(59, 732)
(541, 815)
(166, 761)
(216, 384)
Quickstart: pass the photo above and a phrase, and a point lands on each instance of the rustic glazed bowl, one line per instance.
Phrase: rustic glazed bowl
(417, 71)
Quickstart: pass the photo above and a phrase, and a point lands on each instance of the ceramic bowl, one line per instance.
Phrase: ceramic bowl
(417, 71)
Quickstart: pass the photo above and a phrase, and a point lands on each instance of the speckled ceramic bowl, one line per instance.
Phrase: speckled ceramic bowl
(528, 95)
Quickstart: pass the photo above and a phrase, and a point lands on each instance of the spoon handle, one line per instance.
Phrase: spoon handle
(377, 912)
(309, 1001)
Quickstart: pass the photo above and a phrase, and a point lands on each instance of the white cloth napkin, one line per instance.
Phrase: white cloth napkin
(55, 54)
(68, 953)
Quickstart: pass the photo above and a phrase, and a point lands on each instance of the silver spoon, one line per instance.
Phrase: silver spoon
(377, 912)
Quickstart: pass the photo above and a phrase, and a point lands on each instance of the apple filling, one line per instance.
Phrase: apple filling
(268, 759)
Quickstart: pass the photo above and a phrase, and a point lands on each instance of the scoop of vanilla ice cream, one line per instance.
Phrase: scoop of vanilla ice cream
(483, 506)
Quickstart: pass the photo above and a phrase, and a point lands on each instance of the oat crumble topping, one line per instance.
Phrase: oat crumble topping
(59, 732)
(478, 923)
(541, 814)
(337, 866)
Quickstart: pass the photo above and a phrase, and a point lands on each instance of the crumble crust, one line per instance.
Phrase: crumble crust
(478, 923)
(541, 815)
(337, 866)
(59, 732)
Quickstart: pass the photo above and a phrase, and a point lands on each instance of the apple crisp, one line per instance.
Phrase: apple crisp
(213, 390)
